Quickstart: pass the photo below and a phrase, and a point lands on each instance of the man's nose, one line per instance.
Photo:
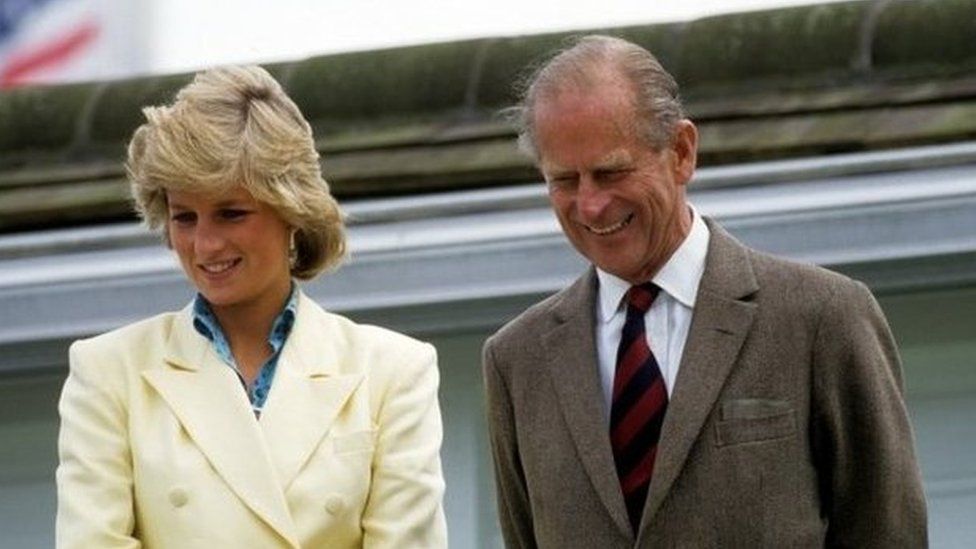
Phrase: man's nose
(591, 199)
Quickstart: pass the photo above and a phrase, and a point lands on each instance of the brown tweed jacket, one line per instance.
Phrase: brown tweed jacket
(787, 425)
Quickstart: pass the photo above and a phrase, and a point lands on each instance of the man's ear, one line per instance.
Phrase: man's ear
(685, 149)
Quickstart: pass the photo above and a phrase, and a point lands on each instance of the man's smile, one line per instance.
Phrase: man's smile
(610, 229)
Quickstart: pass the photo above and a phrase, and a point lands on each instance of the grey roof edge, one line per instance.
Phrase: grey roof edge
(452, 204)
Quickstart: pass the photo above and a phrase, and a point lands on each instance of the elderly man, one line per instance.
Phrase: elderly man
(686, 391)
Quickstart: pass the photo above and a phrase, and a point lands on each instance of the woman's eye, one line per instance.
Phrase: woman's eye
(232, 214)
(182, 218)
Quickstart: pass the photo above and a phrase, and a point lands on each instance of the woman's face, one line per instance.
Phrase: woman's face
(233, 248)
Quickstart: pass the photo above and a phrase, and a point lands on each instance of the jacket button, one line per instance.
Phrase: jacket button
(178, 497)
(334, 505)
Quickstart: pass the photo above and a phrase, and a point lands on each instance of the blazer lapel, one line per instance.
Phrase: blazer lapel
(308, 392)
(207, 398)
(572, 354)
(719, 326)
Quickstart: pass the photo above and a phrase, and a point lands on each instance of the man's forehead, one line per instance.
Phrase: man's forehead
(610, 111)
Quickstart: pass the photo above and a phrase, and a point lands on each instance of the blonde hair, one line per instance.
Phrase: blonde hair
(236, 126)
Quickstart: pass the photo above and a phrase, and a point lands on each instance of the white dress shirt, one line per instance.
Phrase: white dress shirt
(668, 319)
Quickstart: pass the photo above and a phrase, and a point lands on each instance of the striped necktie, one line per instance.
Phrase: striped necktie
(640, 401)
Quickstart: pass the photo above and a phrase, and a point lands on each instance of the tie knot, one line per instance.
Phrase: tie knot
(641, 297)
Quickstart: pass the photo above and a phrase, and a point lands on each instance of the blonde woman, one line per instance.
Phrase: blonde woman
(251, 418)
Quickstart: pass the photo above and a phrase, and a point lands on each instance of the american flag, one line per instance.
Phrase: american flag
(45, 40)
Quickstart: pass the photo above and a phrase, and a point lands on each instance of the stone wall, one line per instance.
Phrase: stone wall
(791, 82)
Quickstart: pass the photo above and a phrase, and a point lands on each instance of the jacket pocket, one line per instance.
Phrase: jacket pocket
(754, 420)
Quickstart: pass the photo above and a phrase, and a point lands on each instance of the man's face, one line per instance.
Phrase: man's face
(620, 201)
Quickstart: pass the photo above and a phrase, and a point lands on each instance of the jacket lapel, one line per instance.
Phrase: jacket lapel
(308, 391)
(719, 326)
(572, 355)
(207, 398)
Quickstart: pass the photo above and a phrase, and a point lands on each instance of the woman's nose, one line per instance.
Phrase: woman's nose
(207, 239)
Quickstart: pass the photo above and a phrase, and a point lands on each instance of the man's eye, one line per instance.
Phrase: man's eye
(611, 175)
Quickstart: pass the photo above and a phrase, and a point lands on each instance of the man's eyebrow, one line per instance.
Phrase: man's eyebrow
(559, 171)
(614, 160)
(554, 169)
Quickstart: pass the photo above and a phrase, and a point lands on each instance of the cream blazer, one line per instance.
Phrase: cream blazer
(159, 448)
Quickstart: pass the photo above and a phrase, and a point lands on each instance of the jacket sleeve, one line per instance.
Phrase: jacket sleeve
(94, 476)
(405, 508)
(514, 511)
(870, 480)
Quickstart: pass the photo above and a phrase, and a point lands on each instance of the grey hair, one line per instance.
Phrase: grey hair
(656, 99)
(236, 126)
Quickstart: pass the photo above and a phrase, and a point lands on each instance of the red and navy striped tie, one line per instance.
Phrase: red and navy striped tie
(640, 401)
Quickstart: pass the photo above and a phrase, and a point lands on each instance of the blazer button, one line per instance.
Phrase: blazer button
(178, 497)
(334, 504)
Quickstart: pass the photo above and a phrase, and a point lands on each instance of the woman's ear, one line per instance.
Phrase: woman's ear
(292, 248)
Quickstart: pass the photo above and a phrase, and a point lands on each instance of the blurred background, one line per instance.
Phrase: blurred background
(840, 133)
(69, 40)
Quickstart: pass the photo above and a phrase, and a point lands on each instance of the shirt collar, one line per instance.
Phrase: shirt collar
(679, 277)
(204, 320)
(206, 323)
(285, 320)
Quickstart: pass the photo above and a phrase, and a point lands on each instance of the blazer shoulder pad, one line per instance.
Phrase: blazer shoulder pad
(534, 321)
(380, 347)
(801, 286)
(135, 335)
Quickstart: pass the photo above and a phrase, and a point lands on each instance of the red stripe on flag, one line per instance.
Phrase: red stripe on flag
(48, 55)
